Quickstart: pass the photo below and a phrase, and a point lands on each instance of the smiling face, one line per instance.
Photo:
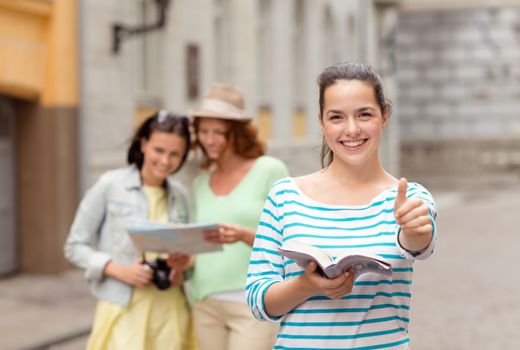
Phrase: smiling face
(212, 136)
(352, 122)
(163, 153)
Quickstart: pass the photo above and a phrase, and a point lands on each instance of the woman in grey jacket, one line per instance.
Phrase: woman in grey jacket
(131, 312)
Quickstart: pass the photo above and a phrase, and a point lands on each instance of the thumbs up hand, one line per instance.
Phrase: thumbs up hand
(412, 215)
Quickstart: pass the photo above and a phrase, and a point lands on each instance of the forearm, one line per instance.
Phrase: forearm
(113, 270)
(248, 237)
(137, 274)
(415, 242)
(282, 297)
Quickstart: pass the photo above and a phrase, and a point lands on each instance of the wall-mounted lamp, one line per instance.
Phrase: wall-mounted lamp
(121, 31)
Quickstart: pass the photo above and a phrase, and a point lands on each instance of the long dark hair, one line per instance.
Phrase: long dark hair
(243, 138)
(161, 121)
(349, 71)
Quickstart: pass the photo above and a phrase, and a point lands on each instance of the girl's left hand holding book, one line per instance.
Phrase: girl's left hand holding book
(320, 285)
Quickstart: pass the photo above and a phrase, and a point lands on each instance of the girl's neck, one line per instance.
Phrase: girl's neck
(230, 162)
(148, 180)
(355, 175)
(229, 173)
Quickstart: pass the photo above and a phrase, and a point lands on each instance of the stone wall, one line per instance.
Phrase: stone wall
(456, 163)
(459, 91)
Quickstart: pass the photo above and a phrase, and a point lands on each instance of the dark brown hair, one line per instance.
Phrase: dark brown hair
(161, 121)
(349, 71)
(242, 136)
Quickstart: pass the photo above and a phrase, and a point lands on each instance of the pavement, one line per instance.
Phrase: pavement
(45, 311)
(464, 297)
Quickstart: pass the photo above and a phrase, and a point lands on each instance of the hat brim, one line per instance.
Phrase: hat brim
(202, 113)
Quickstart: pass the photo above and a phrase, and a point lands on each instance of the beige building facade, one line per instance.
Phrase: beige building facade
(38, 143)
(273, 50)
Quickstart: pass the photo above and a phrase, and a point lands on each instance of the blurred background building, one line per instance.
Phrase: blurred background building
(77, 75)
(458, 72)
(273, 50)
(38, 132)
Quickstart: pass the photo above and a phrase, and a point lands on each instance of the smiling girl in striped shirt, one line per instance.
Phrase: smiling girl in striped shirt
(351, 204)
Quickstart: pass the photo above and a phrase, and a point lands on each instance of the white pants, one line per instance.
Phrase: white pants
(228, 325)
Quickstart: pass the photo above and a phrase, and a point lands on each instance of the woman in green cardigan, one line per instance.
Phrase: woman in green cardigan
(231, 190)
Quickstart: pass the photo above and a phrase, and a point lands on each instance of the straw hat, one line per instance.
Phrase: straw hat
(222, 101)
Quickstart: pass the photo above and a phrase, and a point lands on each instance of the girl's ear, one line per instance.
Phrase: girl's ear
(143, 143)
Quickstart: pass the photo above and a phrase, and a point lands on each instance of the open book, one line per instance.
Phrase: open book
(150, 236)
(361, 263)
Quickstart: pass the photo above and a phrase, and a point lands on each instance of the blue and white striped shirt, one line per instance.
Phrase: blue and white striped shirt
(375, 314)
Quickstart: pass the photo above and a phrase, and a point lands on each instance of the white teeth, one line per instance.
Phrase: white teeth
(353, 143)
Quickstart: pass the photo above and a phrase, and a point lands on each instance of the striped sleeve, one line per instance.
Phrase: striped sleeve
(266, 265)
(420, 192)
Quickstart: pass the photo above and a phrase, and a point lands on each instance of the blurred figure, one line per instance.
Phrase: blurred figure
(352, 204)
(133, 313)
(230, 191)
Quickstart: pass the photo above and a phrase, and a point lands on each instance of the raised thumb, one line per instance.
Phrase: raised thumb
(401, 193)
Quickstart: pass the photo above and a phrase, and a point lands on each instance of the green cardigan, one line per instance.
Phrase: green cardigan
(226, 270)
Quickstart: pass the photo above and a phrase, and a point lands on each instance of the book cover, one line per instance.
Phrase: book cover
(332, 267)
(150, 236)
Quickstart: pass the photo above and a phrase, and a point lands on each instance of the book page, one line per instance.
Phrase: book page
(360, 262)
(364, 262)
(303, 253)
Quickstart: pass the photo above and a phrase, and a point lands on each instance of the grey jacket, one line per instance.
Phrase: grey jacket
(98, 234)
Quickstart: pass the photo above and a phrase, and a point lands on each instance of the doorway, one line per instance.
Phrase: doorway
(8, 243)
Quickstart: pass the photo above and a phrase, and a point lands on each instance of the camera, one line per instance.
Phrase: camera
(161, 272)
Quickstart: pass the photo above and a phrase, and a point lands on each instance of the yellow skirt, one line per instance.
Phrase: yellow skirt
(154, 319)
